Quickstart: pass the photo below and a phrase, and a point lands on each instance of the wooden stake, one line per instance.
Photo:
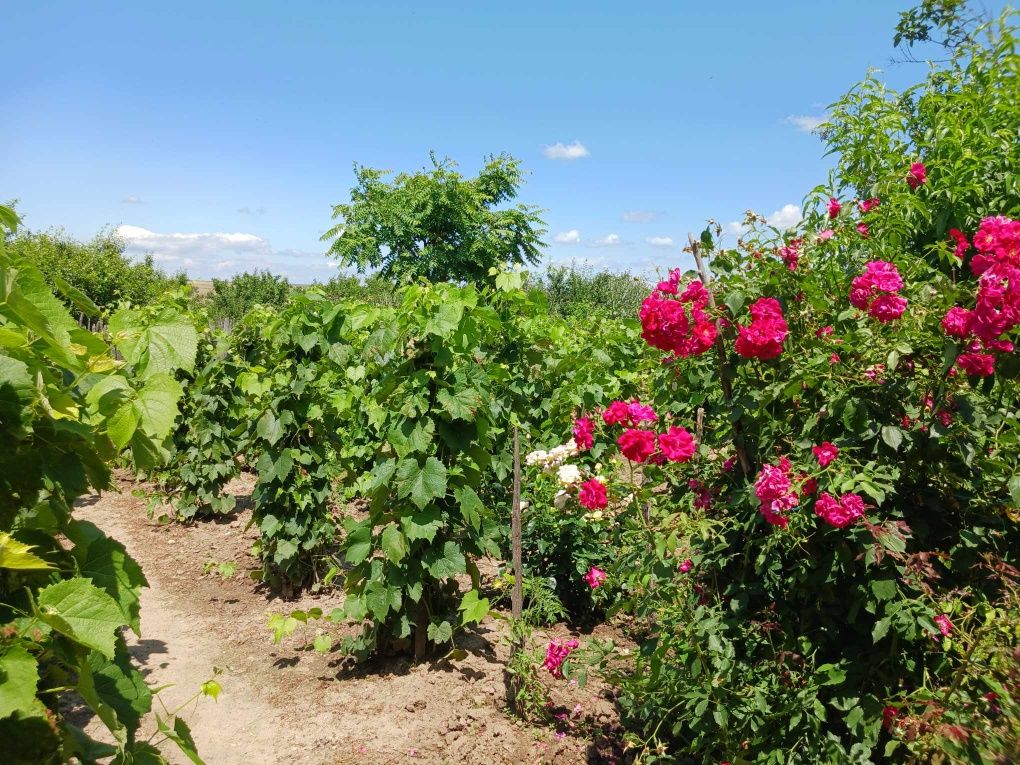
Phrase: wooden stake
(517, 596)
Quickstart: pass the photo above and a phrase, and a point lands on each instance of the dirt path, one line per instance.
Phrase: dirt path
(283, 704)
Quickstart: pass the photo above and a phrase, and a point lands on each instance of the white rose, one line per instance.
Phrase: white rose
(569, 475)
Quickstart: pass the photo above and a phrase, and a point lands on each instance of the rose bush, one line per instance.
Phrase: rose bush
(844, 540)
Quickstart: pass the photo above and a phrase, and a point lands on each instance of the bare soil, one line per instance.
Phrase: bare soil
(289, 704)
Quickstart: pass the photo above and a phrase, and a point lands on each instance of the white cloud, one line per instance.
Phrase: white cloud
(569, 151)
(787, 216)
(806, 123)
(609, 240)
(132, 200)
(222, 254)
(568, 237)
(639, 216)
(661, 241)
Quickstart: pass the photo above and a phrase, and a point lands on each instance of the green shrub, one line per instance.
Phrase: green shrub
(233, 298)
(98, 268)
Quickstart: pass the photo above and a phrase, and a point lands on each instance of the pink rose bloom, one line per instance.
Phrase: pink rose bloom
(869, 204)
(862, 229)
(825, 235)
(615, 413)
(824, 331)
(593, 494)
(887, 308)
(945, 626)
(583, 433)
(883, 275)
(556, 652)
(839, 513)
(834, 358)
(976, 364)
(677, 445)
(773, 489)
(636, 445)
(763, 337)
(825, 453)
(834, 207)
(640, 412)
(729, 464)
(595, 577)
(962, 245)
(917, 176)
(671, 286)
(945, 418)
(686, 566)
(957, 322)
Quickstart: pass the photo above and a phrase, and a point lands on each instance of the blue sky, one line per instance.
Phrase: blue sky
(217, 135)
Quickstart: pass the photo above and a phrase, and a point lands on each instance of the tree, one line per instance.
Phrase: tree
(435, 223)
(234, 298)
(99, 267)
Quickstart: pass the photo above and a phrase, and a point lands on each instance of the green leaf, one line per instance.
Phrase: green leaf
(883, 589)
(322, 643)
(157, 405)
(893, 436)
(474, 608)
(81, 611)
(79, 299)
(393, 543)
(460, 404)
(358, 542)
(441, 632)
(444, 563)
(377, 598)
(421, 483)
(269, 428)
(880, 630)
(17, 390)
(422, 525)
(122, 424)
(122, 687)
(180, 735)
(1014, 490)
(16, 555)
(106, 562)
(471, 507)
(212, 689)
(19, 677)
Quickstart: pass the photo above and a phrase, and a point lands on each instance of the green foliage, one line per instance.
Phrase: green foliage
(233, 298)
(372, 289)
(435, 224)
(580, 293)
(68, 408)
(99, 269)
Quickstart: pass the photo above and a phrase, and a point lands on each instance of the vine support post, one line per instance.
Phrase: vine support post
(517, 596)
(727, 385)
(514, 683)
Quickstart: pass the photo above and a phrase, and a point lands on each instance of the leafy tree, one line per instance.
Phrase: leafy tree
(99, 268)
(234, 298)
(436, 224)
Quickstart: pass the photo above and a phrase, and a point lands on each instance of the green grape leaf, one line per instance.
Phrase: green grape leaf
(82, 612)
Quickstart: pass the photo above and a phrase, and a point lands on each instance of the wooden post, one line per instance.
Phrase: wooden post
(517, 596)
(727, 386)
